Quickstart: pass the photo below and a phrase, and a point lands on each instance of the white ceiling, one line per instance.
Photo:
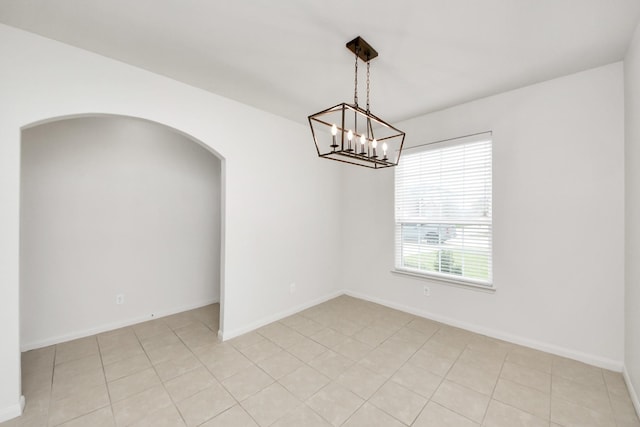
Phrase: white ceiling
(288, 56)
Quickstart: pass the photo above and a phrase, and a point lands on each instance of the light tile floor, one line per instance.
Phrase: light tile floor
(346, 362)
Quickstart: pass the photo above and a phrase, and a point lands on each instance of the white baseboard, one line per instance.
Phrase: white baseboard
(227, 335)
(111, 326)
(12, 411)
(606, 363)
(613, 365)
(632, 391)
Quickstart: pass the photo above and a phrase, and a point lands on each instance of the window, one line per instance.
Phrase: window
(443, 210)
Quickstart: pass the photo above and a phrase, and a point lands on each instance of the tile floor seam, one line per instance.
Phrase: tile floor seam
(53, 372)
(615, 419)
(580, 404)
(223, 386)
(522, 410)
(275, 380)
(529, 388)
(249, 414)
(526, 366)
(431, 400)
(458, 413)
(390, 379)
(584, 407)
(395, 372)
(396, 418)
(153, 366)
(104, 374)
(84, 415)
(106, 384)
(364, 401)
(164, 382)
(321, 416)
(444, 378)
(504, 359)
(551, 395)
(237, 402)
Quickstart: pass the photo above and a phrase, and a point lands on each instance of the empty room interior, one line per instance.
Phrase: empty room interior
(180, 247)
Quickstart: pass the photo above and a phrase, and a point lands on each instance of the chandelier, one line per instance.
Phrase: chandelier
(351, 134)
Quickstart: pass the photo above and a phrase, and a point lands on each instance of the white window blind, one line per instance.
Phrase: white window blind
(443, 210)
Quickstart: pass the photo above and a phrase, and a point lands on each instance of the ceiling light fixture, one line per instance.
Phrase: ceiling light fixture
(350, 134)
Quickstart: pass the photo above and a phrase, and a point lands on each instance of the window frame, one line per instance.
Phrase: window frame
(449, 279)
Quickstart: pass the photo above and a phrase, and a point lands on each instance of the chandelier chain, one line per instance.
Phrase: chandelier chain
(368, 80)
(355, 91)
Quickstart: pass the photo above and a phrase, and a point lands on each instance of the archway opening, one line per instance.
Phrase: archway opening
(121, 222)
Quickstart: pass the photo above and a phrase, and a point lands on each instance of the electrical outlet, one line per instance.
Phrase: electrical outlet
(292, 288)
(120, 299)
(427, 291)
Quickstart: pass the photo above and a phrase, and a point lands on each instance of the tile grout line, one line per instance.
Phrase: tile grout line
(303, 402)
(615, 419)
(404, 364)
(551, 392)
(106, 384)
(53, 372)
(484, 417)
(461, 385)
(237, 402)
(394, 372)
(153, 366)
(222, 385)
(566, 378)
(442, 378)
(335, 380)
(387, 380)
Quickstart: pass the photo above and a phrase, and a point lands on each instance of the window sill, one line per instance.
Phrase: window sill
(446, 281)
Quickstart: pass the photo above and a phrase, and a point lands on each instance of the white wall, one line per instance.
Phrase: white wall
(558, 211)
(632, 217)
(114, 205)
(281, 202)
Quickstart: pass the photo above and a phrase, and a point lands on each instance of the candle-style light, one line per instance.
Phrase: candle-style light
(334, 132)
(363, 140)
(384, 150)
(374, 145)
(350, 137)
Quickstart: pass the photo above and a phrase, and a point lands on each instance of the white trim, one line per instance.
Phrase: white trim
(614, 365)
(632, 391)
(445, 280)
(227, 335)
(602, 362)
(12, 411)
(111, 326)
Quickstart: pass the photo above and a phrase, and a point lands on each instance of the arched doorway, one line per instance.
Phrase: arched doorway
(121, 222)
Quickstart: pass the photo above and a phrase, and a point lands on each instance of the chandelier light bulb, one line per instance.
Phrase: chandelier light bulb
(350, 135)
(334, 131)
(384, 148)
(362, 139)
(374, 143)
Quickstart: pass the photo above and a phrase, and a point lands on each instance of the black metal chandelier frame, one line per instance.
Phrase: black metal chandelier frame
(370, 141)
